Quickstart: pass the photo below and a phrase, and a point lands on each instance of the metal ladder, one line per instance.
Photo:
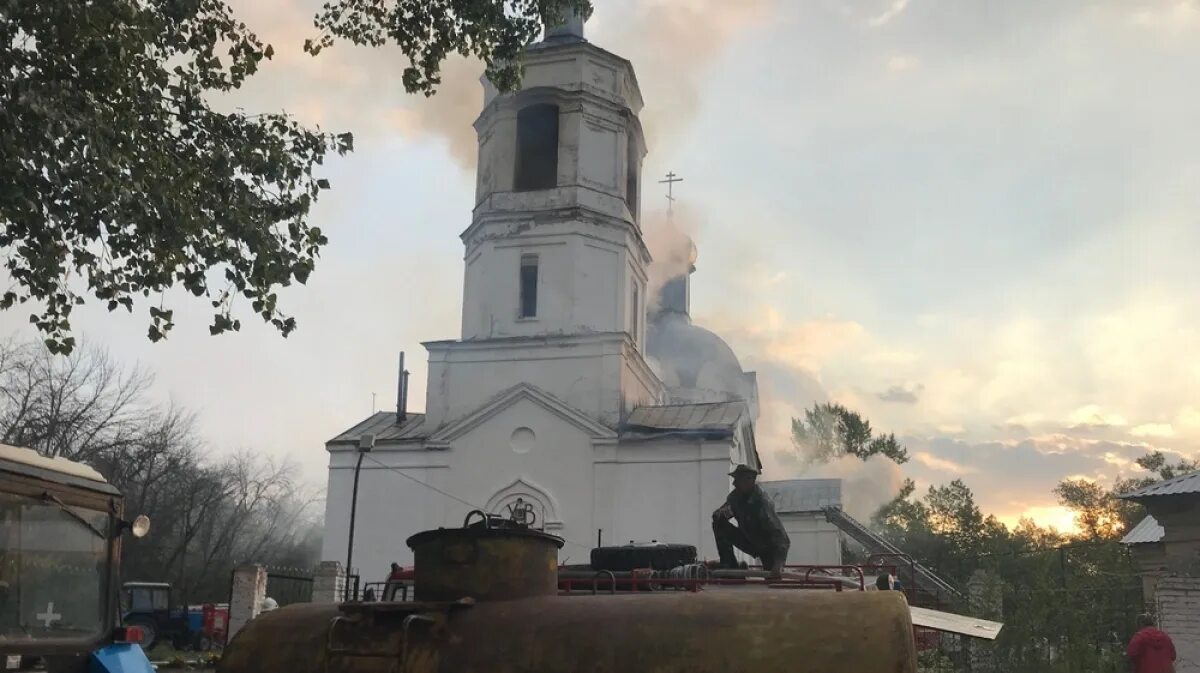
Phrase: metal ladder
(925, 578)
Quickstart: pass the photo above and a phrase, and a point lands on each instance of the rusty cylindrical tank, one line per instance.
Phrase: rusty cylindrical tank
(490, 560)
(722, 630)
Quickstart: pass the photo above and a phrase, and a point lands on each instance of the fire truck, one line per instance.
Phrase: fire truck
(60, 547)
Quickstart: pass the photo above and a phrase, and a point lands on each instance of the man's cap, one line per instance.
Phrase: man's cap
(743, 469)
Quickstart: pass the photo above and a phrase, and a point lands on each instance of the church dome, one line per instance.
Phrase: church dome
(695, 362)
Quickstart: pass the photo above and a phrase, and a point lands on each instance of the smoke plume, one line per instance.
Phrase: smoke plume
(671, 44)
(450, 114)
(670, 240)
(789, 383)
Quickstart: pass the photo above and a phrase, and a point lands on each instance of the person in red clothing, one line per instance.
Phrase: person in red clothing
(393, 582)
(1150, 650)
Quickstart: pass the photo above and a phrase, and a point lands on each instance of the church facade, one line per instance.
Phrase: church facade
(570, 397)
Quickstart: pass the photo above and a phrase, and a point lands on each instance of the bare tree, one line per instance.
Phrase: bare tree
(83, 407)
(209, 512)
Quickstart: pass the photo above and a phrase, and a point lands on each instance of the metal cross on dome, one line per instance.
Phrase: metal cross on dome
(670, 183)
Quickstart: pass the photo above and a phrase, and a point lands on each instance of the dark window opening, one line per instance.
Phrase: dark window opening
(529, 281)
(631, 178)
(537, 148)
(633, 318)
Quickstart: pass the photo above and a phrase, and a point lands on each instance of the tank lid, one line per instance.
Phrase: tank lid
(489, 526)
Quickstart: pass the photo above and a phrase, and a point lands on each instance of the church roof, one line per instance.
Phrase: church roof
(714, 419)
(383, 425)
(803, 495)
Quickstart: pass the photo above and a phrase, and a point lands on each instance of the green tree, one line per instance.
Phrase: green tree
(119, 181)
(829, 431)
(496, 31)
(1099, 511)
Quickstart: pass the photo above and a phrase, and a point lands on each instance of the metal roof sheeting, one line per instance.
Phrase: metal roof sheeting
(383, 425)
(59, 465)
(1147, 531)
(674, 417)
(803, 495)
(1185, 484)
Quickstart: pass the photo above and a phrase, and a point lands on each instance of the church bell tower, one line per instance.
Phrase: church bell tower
(554, 247)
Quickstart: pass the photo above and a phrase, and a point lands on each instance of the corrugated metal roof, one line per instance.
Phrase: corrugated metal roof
(383, 425)
(803, 495)
(1148, 530)
(1185, 484)
(668, 417)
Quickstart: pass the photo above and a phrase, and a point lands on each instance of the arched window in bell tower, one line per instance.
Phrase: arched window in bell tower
(537, 148)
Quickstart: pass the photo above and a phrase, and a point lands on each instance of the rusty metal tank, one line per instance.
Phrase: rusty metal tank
(517, 624)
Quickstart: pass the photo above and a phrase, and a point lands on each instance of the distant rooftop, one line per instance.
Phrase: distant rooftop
(803, 495)
(1184, 484)
(1147, 531)
(382, 424)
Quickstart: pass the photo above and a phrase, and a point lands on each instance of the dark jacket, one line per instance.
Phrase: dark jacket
(757, 518)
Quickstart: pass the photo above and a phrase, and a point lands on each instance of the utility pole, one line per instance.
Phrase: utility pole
(365, 444)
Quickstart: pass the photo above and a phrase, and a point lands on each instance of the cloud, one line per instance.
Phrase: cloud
(901, 394)
(902, 62)
(941, 464)
(1092, 416)
(1153, 430)
(895, 9)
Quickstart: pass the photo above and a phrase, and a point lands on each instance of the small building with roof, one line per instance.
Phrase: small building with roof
(1167, 541)
(801, 505)
(1166, 547)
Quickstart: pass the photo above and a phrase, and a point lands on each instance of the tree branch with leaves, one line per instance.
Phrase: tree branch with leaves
(119, 181)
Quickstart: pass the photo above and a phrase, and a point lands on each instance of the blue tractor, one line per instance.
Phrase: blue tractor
(148, 607)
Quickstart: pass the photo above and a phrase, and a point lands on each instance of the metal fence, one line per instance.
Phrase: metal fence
(1070, 609)
(289, 585)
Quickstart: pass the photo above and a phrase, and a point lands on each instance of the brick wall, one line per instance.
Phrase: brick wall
(245, 600)
(329, 583)
(1178, 605)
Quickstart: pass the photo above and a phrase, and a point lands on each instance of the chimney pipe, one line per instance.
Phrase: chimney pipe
(401, 393)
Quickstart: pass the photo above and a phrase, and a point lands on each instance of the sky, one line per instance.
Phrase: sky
(974, 222)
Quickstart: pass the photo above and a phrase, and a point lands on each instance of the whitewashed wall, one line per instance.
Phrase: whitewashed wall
(815, 541)
(587, 372)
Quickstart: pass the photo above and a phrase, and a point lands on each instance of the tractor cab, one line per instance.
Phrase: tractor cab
(147, 605)
(60, 535)
(146, 598)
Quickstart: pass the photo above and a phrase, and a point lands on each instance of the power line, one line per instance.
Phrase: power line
(435, 489)
(425, 484)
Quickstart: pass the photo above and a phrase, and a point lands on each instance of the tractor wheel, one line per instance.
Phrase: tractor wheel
(149, 631)
(634, 556)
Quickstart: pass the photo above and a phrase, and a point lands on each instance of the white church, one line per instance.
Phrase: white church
(563, 396)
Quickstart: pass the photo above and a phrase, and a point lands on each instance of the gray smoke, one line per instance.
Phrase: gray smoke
(670, 240)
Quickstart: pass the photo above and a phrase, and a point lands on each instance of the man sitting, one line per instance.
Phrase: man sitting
(759, 532)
